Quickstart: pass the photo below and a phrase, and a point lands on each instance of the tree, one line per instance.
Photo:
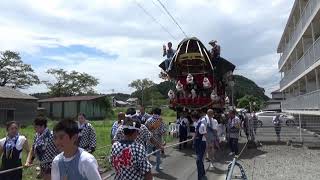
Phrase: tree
(250, 102)
(71, 84)
(165, 86)
(13, 72)
(106, 104)
(140, 85)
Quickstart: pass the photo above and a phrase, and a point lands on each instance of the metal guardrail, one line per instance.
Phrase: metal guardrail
(234, 164)
(310, 8)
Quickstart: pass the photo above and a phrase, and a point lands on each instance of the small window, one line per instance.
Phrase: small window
(6, 115)
(10, 115)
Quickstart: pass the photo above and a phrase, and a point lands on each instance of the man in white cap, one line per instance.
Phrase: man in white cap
(215, 51)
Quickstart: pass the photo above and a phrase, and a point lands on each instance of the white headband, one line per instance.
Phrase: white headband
(130, 127)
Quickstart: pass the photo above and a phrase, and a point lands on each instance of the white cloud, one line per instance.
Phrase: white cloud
(263, 70)
(247, 30)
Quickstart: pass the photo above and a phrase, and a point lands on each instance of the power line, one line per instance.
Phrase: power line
(172, 17)
(156, 5)
(154, 19)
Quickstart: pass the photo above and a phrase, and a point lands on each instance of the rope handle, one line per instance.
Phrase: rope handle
(24, 167)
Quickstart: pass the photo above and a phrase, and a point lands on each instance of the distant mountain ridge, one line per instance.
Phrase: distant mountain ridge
(244, 86)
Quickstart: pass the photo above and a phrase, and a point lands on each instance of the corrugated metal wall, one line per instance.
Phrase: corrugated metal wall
(85, 107)
(56, 109)
(24, 110)
(92, 109)
(47, 107)
(70, 109)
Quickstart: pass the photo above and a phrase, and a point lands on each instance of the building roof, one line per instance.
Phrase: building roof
(132, 99)
(72, 98)
(10, 93)
(274, 101)
(276, 91)
(122, 103)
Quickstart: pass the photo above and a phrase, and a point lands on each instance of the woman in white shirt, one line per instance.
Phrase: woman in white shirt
(11, 150)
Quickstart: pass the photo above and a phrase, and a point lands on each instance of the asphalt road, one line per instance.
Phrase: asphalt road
(258, 163)
(182, 165)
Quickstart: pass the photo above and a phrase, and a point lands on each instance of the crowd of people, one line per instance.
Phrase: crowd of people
(211, 130)
(66, 152)
(134, 136)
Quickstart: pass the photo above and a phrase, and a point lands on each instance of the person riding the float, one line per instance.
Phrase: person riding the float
(87, 134)
(128, 157)
(73, 163)
(11, 150)
(169, 53)
(215, 51)
(43, 148)
(144, 134)
(158, 129)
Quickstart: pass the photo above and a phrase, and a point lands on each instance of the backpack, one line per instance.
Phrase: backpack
(277, 120)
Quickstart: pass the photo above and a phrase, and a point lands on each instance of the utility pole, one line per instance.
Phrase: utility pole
(142, 96)
(231, 83)
(152, 101)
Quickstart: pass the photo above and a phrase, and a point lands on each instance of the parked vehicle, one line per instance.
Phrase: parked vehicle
(288, 119)
(265, 118)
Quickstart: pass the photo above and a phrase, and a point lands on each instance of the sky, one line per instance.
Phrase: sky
(117, 42)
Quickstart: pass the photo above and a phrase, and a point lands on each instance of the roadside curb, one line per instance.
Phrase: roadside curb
(309, 132)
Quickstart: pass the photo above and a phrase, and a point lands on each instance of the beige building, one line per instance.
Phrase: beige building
(299, 63)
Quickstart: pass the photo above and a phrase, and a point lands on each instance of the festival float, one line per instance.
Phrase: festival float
(200, 76)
